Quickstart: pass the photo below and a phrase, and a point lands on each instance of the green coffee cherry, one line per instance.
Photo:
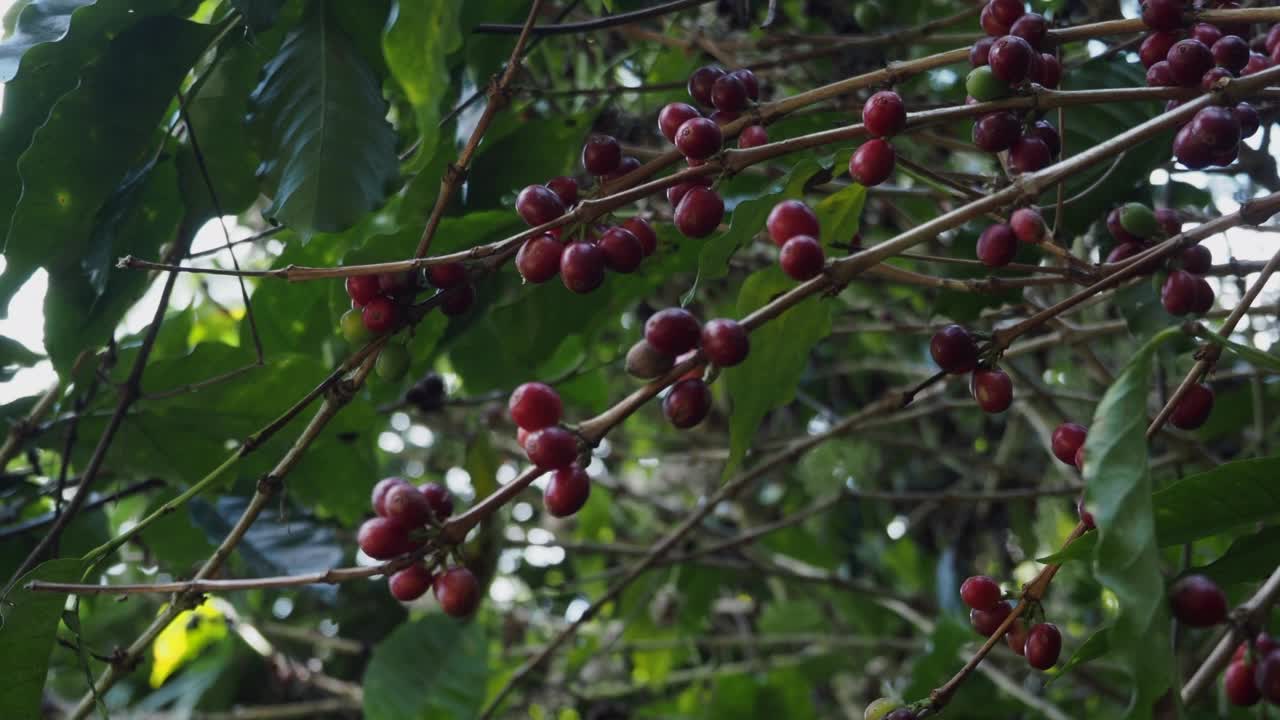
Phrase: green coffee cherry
(983, 85)
(881, 707)
(1138, 219)
(393, 362)
(868, 14)
(353, 329)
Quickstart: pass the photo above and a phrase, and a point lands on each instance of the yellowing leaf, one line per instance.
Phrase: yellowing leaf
(186, 636)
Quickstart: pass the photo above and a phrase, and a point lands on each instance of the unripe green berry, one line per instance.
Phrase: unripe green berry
(352, 327)
(878, 709)
(983, 85)
(1138, 219)
(868, 14)
(393, 362)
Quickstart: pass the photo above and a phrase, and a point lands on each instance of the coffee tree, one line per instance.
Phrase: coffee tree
(609, 359)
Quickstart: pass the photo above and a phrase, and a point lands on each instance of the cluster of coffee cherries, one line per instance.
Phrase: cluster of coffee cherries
(403, 515)
(1039, 643)
(793, 227)
(536, 409)
(379, 304)
(1254, 672)
(956, 352)
(1010, 57)
(998, 244)
(883, 115)
(672, 336)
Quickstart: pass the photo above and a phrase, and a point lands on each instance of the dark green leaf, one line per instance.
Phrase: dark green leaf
(1250, 558)
(840, 214)
(1096, 646)
(14, 355)
(420, 35)
(394, 686)
(30, 620)
(1231, 495)
(1264, 361)
(44, 21)
(258, 14)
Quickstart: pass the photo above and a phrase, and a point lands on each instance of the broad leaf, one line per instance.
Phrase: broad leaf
(258, 14)
(1249, 559)
(420, 35)
(28, 622)
(14, 355)
(1096, 646)
(1263, 360)
(840, 214)
(45, 21)
(394, 685)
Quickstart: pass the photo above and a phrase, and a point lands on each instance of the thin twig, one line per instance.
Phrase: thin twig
(588, 25)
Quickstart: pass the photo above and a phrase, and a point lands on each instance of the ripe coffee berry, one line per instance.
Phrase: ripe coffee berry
(1123, 251)
(1169, 220)
(728, 94)
(1230, 52)
(672, 116)
(380, 493)
(1257, 63)
(406, 506)
(790, 218)
(978, 53)
(581, 267)
(410, 583)
(1267, 677)
(980, 593)
(644, 234)
(801, 258)
(1203, 301)
(1194, 408)
(1029, 154)
(1189, 151)
(1028, 225)
(1178, 292)
(1044, 644)
(1049, 134)
(687, 404)
(901, 714)
(1010, 59)
(698, 138)
(1031, 27)
(954, 350)
(1263, 644)
(567, 491)
(1217, 128)
(699, 212)
(646, 362)
(1239, 686)
(884, 115)
(551, 448)
(991, 25)
(628, 164)
(997, 245)
(565, 188)
(986, 622)
(997, 131)
(1208, 34)
(753, 136)
(676, 193)
(992, 389)
(1162, 14)
(362, 288)
(701, 81)
(1188, 61)
(539, 258)
(1007, 12)
(601, 155)
(1249, 119)
(1160, 75)
(535, 405)
(537, 205)
(438, 499)
(1050, 74)
(749, 81)
(448, 275)
(1082, 512)
(457, 591)
(1066, 440)
(723, 117)
(672, 331)
(1198, 601)
(872, 163)
(383, 539)
(1197, 259)
(380, 314)
(458, 300)
(622, 250)
(725, 342)
(1155, 47)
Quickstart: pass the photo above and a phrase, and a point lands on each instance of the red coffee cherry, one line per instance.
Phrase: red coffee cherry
(551, 448)
(1007, 12)
(687, 404)
(1267, 677)
(725, 342)
(790, 218)
(980, 593)
(872, 163)
(447, 275)
(723, 117)
(1049, 134)
(1198, 601)
(1207, 34)
(1124, 251)
(753, 136)
(438, 499)
(699, 138)
(1188, 61)
(410, 583)
(539, 258)
(565, 188)
(1169, 221)
(1066, 440)
(581, 267)
(997, 245)
(1155, 47)
(1230, 52)
(699, 212)
(535, 405)
(1161, 75)
(644, 361)
(1273, 38)
(1257, 63)
(567, 491)
(997, 131)
(1050, 74)
(383, 539)
(1029, 154)
(902, 713)
(701, 81)
(1010, 59)
(1178, 292)
(1162, 14)
(1249, 119)
(991, 25)
(801, 258)
(362, 288)
(884, 114)
(1031, 27)
(380, 493)
(676, 193)
(628, 164)
(729, 94)
(992, 389)
(954, 350)
(644, 233)
(601, 155)
(1044, 645)
(749, 81)
(978, 53)
(1239, 686)
(407, 507)
(1189, 151)
(458, 300)
(987, 622)
(1194, 408)
(537, 205)
(1016, 637)
(672, 331)
(1083, 513)
(673, 115)
(457, 591)
(1203, 301)
(1197, 259)
(1028, 225)
(1217, 128)
(622, 250)
(380, 314)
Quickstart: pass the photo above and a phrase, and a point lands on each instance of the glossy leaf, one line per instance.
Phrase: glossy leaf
(29, 621)
(394, 686)
(840, 215)
(419, 36)
(1263, 360)
(44, 21)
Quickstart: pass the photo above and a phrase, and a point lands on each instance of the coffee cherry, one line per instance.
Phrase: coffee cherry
(991, 25)
(986, 622)
(723, 117)
(699, 212)
(565, 188)
(1162, 14)
(982, 84)
(458, 300)
(992, 389)
(581, 267)
(698, 138)
(725, 342)
(537, 205)
(380, 491)
(1239, 686)
(362, 288)
(1267, 677)
(884, 115)
(1124, 251)
(1194, 408)
(1198, 601)
(687, 404)
(1139, 221)
(643, 231)
(1249, 120)
(1257, 63)
(1178, 292)
(1083, 513)
(1231, 52)
(1273, 38)
(1044, 644)
(997, 245)
(410, 583)
(1207, 33)
(1031, 27)
(872, 163)
(1155, 47)
(980, 593)
(646, 362)
(1197, 259)
(1010, 59)
(790, 218)
(701, 81)
(457, 591)
(1170, 222)
(1049, 134)
(628, 164)
(1217, 128)
(1028, 225)
(447, 275)
(535, 405)
(954, 350)
(879, 708)
(997, 131)
(406, 506)
(978, 53)
(1029, 154)
(1203, 301)
(729, 94)
(901, 714)
(351, 325)
(380, 314)
(801, 258)
(622, 250)
(1050, 74)
(676, 193)
(1067, 438)
(392, 363)
(1188, 61)
(567, 491)
(1161, 75)
(539, 258)
(672, 331)
(438, 499)
(1189, 151)
(383, 539)
(1007, 12)
(753, 136)
(551, 448)
(601, 155)
(672, 116)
